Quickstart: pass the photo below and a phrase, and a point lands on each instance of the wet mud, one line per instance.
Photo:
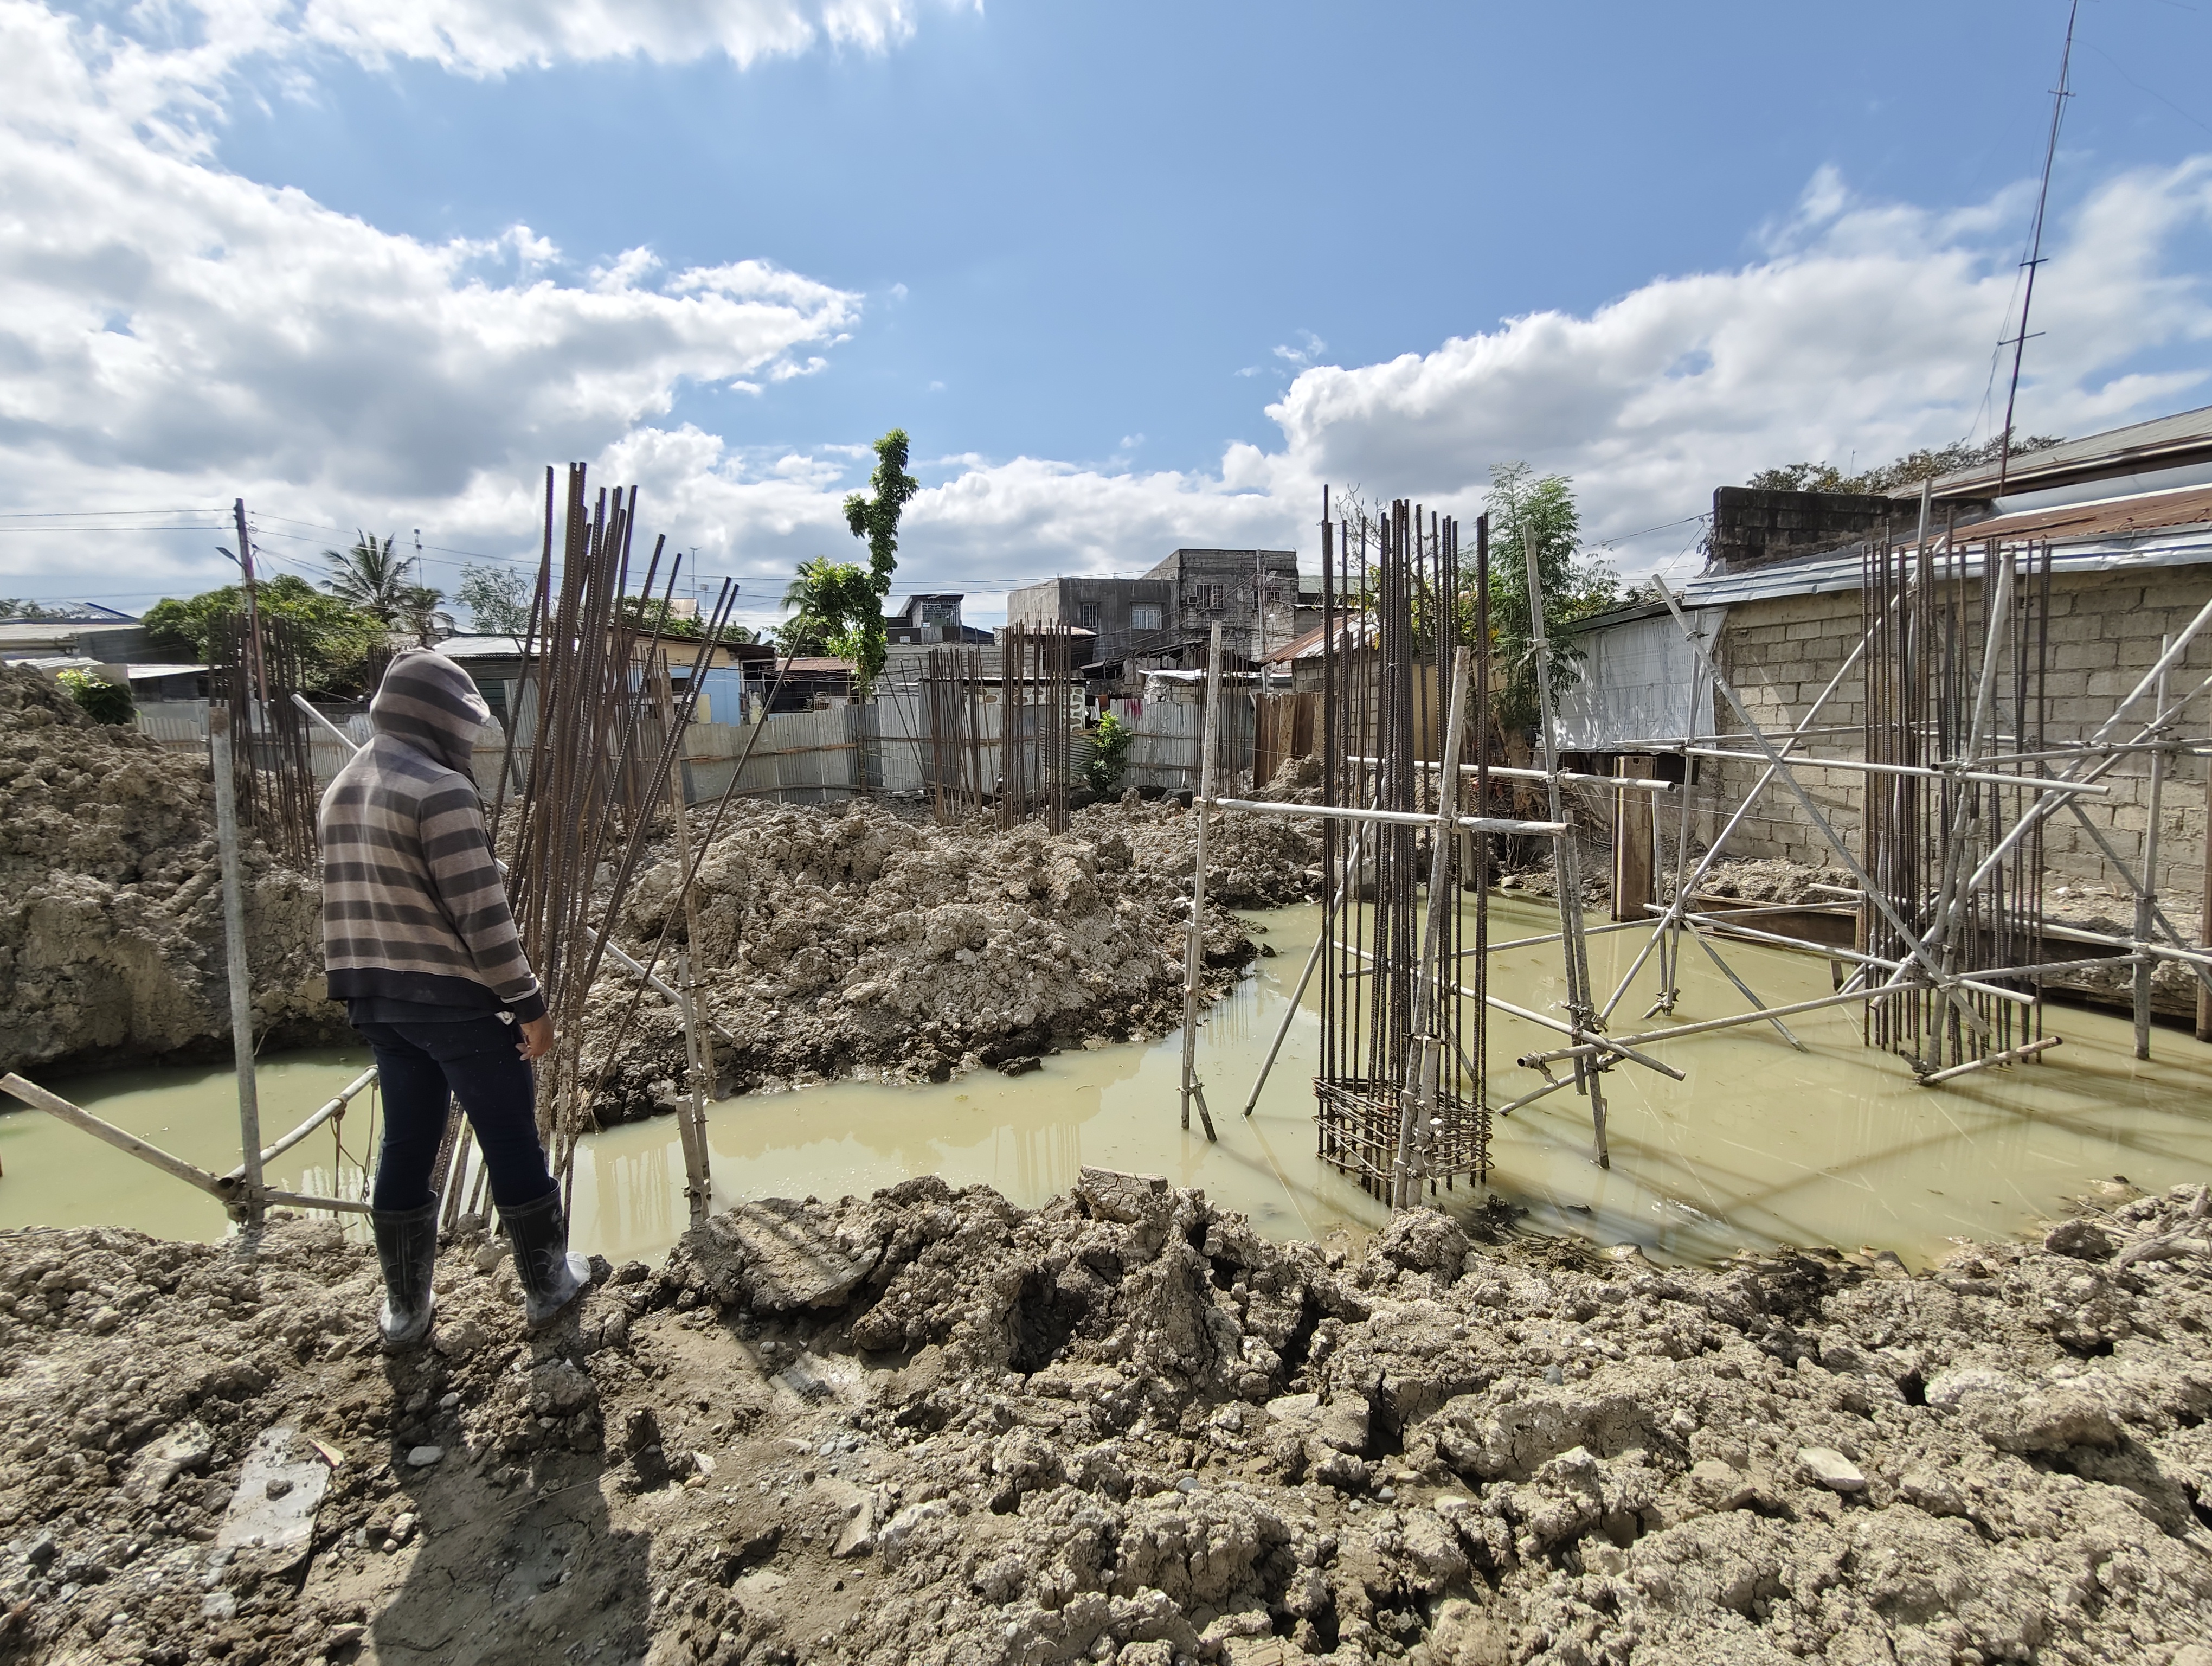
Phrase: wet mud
(930, 1426)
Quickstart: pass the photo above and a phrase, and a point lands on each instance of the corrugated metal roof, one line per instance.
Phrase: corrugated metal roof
(1309, 645)
(2174, 547)
(2161, 443)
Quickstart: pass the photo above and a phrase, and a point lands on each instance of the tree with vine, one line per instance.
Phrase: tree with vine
(837, 606)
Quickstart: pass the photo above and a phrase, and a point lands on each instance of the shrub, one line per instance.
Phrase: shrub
(102, 701)
(1110, 756)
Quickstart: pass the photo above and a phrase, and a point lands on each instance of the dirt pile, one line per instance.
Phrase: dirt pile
(1253, 861)
(929, 1427)
(110, 906)
(832, 942)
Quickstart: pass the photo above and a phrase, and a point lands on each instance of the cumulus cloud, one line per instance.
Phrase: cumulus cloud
(162, 319)
(1867, 328)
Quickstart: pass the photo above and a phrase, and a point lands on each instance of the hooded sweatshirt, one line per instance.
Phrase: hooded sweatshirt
(416, 922)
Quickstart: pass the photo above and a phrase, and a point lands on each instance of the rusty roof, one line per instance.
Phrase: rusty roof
(2144, 512)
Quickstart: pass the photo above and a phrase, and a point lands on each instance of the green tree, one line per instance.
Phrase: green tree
(371, 577)
(837, 607)
(649, 613)
(419, 606)
(497, 598)
(340, 638)
(834, 608)
(101, 700)
(1524, 507)
(1910, 470)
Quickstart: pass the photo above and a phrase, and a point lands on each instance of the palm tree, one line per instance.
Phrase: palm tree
(418, 603)
(371, 577)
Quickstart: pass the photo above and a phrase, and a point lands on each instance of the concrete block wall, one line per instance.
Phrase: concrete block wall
(2106, 632)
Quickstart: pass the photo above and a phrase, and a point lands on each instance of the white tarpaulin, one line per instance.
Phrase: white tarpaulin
(1640, 682)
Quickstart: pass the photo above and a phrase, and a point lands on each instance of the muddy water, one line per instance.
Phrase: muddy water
(1760, 1144)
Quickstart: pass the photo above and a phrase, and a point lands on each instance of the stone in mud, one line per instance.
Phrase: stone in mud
(185, 1449)
(1831, 1469)
(2079, 1239)
(1127, 1198)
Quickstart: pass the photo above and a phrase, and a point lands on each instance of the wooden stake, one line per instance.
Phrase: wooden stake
(1632, 859)
(252, 1209)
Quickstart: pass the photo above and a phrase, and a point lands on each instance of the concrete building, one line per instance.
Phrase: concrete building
(1163, 619)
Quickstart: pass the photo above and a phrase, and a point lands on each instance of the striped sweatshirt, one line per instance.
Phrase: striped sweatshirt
(414, 907)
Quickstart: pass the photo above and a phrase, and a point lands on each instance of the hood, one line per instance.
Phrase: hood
(428, 701)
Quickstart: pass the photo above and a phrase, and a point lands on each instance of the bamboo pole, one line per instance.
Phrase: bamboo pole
(2147, 898)
(1193, 959)
(250, 1209)
(77, 1117)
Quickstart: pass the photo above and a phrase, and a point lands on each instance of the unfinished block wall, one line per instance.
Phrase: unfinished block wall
(2105, 629)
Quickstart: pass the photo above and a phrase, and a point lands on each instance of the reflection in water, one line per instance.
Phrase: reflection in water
(1761, 1145)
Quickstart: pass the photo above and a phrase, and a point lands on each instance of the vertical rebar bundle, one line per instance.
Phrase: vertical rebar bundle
(952, 705)
(601, 759)
(272, 766)
(1956, 655)
(1393, 1012)
(1035, 693)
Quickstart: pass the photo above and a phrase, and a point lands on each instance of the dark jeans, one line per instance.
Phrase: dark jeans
(474, 1060)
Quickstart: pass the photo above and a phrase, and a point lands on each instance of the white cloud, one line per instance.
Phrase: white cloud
(171, 333)
(163, 321)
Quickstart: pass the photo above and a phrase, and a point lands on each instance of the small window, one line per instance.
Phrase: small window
(1144, 615)
(1087, 616)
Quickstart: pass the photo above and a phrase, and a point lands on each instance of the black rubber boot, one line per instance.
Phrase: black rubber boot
(551, 1276)
(407, 1250)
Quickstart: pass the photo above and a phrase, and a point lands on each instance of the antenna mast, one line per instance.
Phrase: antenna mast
(2059, 95)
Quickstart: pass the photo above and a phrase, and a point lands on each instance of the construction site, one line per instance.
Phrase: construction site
(1710, 1174)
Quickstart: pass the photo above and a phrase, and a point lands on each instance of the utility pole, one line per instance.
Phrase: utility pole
(252, 609)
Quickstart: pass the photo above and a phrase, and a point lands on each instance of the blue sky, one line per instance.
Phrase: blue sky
(1132, 276)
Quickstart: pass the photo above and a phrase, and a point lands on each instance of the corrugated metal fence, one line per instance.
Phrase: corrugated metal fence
(811, 757)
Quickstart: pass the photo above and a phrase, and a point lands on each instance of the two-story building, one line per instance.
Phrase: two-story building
(1163, 619)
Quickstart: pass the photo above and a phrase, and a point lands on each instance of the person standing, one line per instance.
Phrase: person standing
(419, 942)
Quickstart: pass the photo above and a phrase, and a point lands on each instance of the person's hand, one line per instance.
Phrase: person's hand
(536, 1038)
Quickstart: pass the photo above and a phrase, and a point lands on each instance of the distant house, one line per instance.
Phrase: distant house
(1163, 620)
(100, 635)
(929, 620)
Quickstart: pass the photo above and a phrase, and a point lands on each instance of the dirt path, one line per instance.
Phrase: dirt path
(929, 1427)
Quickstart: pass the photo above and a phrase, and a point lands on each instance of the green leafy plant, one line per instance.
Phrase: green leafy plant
(1109, 755)
(101, 700)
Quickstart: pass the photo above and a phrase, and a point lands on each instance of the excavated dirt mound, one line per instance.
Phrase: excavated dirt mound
(836, 942)
(1253, 861)
(110, 905)
(929, 1427)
